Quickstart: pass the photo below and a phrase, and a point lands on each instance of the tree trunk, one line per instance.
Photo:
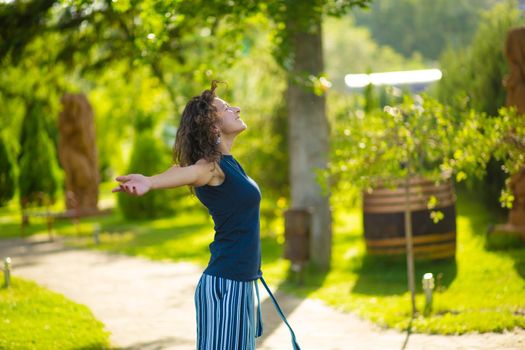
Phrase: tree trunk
(308, 132)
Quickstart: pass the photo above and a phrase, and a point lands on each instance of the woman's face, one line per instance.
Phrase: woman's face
(231, 122)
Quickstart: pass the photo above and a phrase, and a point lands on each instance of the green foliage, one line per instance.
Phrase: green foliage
(130, 58)
(21, 22)
(257, 86)
(26, 88)
(294, 17)
(426, 27)
(473, 76)
(150, 57)
(488, 140)
(146, 56)
(36, 318)
(7, 171)
(149, 156)
(138, 31)
(371, 100)
(425, 137)
(498, 241)
(117, 99)
(270, 167)
(414, 136)
(508, 131)
(30, 90)
(39, 170)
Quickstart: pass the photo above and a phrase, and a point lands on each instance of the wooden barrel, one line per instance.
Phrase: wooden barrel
(384, 223)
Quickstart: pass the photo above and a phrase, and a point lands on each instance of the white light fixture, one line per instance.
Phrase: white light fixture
(7, 272)
(428, 286)
(393, 78)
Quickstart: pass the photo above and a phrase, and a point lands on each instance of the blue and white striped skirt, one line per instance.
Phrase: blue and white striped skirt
(226, 313)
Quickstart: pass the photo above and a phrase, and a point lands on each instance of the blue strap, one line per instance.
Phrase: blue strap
(259, 318)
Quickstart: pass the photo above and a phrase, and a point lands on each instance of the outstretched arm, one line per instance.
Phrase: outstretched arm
(197, 174)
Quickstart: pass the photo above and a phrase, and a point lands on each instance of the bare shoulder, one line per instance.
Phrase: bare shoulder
(205, 165)
(208, 172)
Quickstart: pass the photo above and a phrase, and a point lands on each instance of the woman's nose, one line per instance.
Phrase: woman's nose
(238, 109)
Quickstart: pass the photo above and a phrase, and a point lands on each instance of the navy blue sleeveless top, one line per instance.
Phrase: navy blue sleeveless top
(234, 206)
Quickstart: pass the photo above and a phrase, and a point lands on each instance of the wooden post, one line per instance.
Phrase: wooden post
(297, 238)
(409, 243)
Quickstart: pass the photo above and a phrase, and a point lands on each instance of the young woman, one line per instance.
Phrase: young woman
(224, 297)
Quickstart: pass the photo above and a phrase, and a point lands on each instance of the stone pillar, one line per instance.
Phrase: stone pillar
(78, 153)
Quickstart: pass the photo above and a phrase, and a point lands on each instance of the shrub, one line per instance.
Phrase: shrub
(7, 172)
(39, 170)
(149, 156)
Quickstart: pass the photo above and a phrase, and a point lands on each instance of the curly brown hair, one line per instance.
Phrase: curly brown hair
(195, 138)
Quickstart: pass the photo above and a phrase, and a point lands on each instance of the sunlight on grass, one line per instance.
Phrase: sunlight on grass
(34, 318)
(482, 290)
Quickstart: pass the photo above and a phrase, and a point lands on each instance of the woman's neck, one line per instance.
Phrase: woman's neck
(226, 145)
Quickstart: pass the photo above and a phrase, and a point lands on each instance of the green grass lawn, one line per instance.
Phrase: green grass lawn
(32, 317)
(481, 290)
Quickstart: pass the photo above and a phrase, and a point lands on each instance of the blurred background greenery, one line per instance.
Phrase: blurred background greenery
(150, 74)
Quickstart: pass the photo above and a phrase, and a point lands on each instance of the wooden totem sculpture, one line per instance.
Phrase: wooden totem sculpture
(515, 85)
(78, 153)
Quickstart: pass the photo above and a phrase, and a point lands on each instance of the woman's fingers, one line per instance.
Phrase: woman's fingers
(123, 178)
(129, 187)
(121, 188)
(117, 189)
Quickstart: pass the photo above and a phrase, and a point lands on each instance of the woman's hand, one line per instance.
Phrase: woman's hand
(134, 184)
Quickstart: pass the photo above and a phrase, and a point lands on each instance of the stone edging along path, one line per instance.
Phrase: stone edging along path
(149, 305)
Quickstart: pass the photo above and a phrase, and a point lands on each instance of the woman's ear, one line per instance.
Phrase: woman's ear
(217, 133)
